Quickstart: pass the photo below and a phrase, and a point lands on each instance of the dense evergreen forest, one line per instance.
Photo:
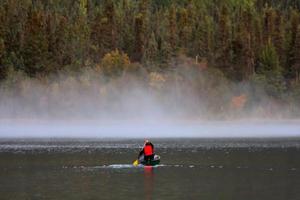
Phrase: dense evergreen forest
(229, 55)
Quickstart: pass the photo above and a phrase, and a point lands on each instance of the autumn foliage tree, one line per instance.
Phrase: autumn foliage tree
(114, 63)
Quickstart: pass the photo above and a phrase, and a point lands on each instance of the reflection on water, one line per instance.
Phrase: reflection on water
(148, 182)
(190, 169)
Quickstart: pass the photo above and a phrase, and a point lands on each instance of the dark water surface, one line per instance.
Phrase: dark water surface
(191, 169)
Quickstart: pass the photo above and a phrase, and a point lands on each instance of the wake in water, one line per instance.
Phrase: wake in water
(130, 166)
(118, 166)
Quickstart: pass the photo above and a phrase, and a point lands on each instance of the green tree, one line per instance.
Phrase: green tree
(103, 33)
(172, 27)
(184, 31)
(223, 46)
(295, 71)
(126, 27)
(141, 23)
(242, 46)
(294, 21)
(269, 72)
(35, 51)
(269, 23)
(58, 39)
(2, 54)
(278, 37)
(151, 52)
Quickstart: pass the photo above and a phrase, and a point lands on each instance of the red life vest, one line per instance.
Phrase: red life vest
(148, 150)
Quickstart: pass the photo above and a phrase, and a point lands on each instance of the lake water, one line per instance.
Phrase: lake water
(190, 169)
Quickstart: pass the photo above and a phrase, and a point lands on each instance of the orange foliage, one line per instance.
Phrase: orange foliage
(238, 102)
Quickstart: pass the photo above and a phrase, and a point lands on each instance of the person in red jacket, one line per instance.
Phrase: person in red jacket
(147, 151)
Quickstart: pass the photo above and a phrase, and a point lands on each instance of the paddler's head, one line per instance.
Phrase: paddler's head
(146, 141)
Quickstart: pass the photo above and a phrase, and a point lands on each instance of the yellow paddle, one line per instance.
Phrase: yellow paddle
(135, 163)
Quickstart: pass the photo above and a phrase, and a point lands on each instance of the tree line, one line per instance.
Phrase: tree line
(246, 41)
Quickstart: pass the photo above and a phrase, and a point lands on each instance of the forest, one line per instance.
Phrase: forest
(197, 58)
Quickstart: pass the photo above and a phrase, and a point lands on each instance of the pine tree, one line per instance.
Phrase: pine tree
(270, 70)
(204, 38)
(2, 48)
(35, 50)
(268, 60)
(141, 21)
(2, 54)
(248, 49)
(58, 42)
(223, 47)
(79, 38)
(184, 29)
(172, 29)
(269, 23)
(164, 53)
(291, 40)
(243, 48)
(295, 73)
(139, 38)
(151, 52)
(14, 15)
(192, 25)
(126, 27)
(110, 29)
(278, 37)
(103, 31)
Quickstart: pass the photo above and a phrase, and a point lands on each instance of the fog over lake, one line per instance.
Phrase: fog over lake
(141, 129)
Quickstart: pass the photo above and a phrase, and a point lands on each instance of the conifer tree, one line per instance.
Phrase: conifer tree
(243, 48)
(204, 38)
(139, 38)
(291, 40)
(2, 54)
(103, 31)
(58, 42)
(141, 21)
(223, 47)
(278, 37)
(151, 52)
(269, 23)
(270, 70)
(35, 50)
(184, 29)
(172, 28)
(126, 27)
(110, 25)
(296, 57)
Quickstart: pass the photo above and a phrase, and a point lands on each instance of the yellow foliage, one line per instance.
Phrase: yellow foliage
(114, 63)
(83, 7)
